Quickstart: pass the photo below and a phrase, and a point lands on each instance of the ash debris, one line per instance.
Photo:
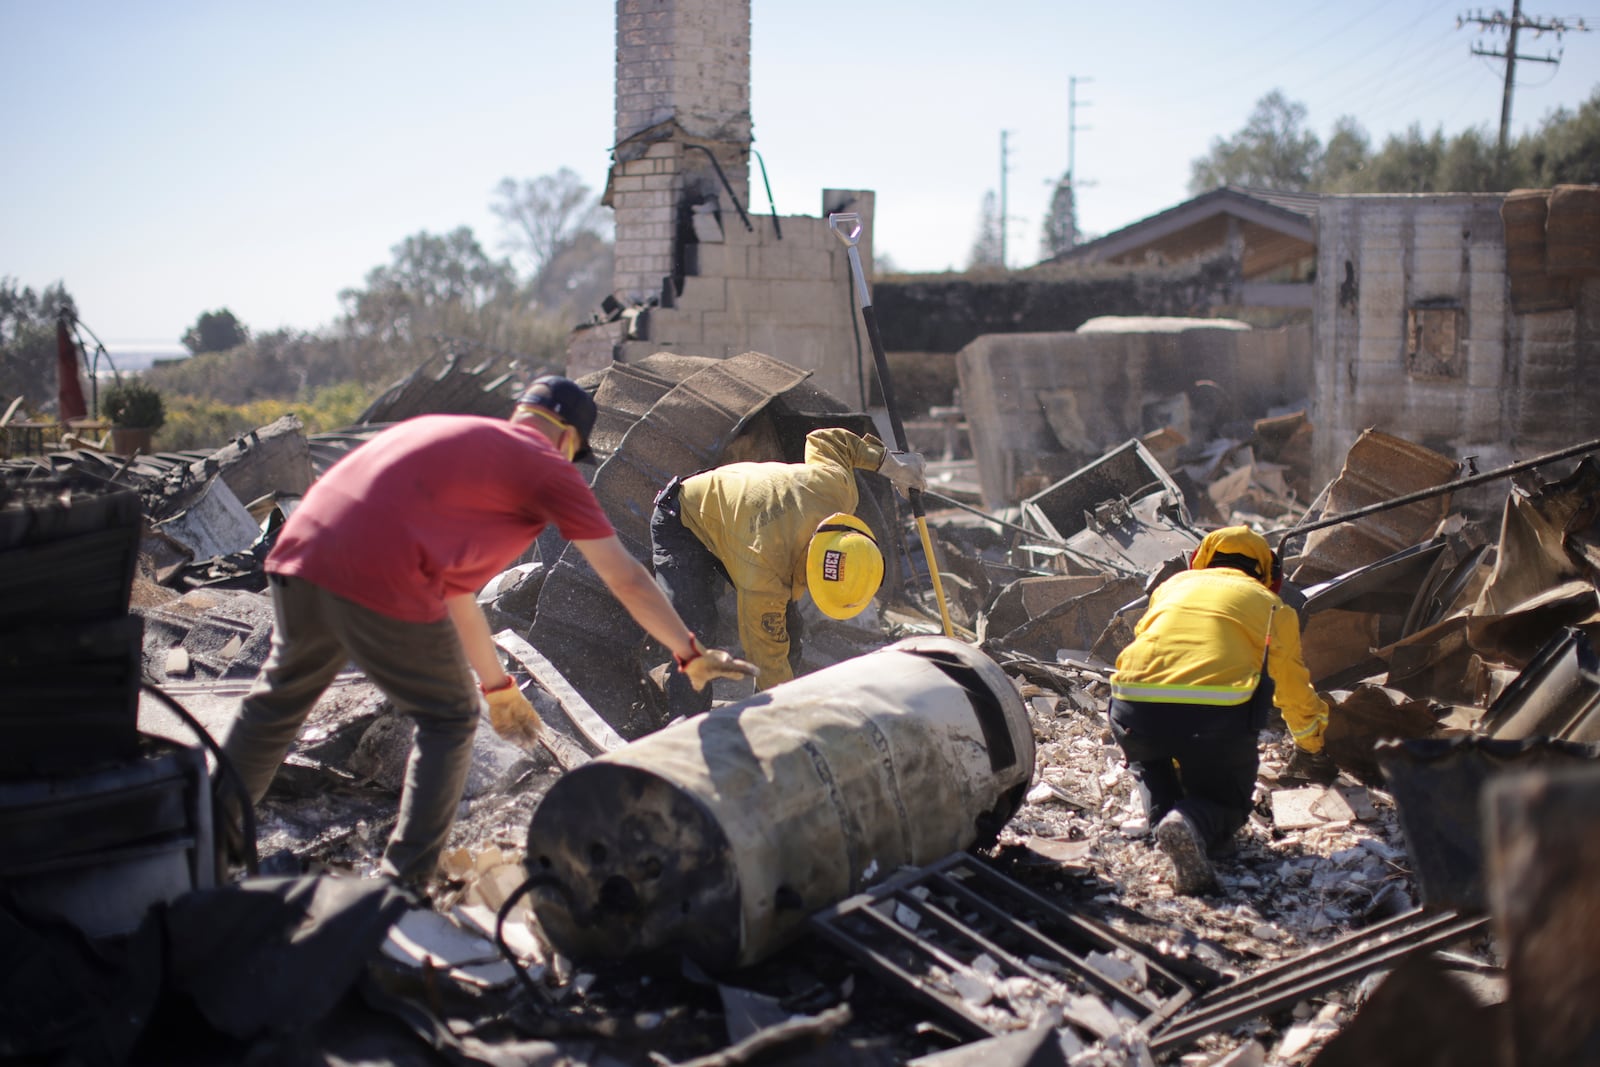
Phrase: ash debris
(1423, 623)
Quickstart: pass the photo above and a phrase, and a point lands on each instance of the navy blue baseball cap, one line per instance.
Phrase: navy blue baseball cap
(567, 401)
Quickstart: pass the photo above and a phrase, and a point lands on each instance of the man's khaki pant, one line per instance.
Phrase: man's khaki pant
(420, 667)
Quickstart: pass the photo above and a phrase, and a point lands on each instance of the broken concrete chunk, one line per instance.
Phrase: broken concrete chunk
(1300, 809)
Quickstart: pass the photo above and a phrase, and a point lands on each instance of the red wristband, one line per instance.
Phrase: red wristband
(695, 652)
(501, 688)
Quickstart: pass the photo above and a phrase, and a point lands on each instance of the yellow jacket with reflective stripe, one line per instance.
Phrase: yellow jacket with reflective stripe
(1202, 640)
(758, 518)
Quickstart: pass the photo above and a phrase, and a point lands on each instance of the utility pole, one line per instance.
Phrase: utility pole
(1515, 22)
(1003, 220)
(1073, 104)
(1072, 148)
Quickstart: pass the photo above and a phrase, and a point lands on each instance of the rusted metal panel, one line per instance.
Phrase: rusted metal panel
(1378, 467)
(719, 835)
(1557, 695)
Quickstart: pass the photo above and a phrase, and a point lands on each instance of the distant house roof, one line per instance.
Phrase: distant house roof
(1277, 229)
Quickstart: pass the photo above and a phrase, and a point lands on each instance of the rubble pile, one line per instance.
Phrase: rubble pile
(1423, 625)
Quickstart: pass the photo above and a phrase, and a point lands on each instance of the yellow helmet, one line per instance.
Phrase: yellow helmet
(843, 566)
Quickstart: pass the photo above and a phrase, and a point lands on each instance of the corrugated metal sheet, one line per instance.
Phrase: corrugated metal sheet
(579, 626)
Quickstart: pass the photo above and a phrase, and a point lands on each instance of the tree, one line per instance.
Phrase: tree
(1060, 232)
(559, 229)
(443, 293)
(1273, 151)
(215, 331)
(1405, 164)
(985, 252)
(28, 340)
(1344, 157)
(432, 284)
(1566, 147)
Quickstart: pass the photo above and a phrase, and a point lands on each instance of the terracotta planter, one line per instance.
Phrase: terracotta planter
(126, 440)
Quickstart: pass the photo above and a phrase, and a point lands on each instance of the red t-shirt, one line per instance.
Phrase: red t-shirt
(431, 508)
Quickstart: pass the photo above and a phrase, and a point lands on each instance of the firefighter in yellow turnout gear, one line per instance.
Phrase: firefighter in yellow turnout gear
(1215, 651)
(775, 532)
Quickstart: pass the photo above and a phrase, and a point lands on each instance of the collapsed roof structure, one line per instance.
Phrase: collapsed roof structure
(1456, 647)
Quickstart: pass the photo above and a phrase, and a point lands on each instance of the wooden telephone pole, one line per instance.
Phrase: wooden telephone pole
(1517, 21)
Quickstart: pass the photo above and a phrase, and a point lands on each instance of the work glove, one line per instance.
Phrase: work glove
(905, 469)
(1316, 768)
(701, 665)
(512, 717)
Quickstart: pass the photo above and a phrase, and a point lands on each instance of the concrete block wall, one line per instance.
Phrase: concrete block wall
(1377, 258)
(789, 297)
(1024, 393)
(683, 75)
(1519, 387)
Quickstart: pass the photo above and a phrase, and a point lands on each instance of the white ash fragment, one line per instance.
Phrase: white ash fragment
(971, 988)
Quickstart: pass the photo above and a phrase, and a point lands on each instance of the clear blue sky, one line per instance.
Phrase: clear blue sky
(173, 157)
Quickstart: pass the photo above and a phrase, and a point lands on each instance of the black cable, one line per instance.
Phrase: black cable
(776, 227)
(542, 879)
(225, 772)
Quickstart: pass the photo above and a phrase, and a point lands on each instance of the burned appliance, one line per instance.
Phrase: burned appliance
(718, 836)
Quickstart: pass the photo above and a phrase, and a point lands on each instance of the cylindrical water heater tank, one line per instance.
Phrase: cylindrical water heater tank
(716, 837)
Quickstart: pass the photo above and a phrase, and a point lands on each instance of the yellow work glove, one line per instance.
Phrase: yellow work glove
(907, 470)
(703, 664)
(512, 717)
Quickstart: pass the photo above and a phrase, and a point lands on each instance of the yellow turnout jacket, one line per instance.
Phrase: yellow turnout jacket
(758, 518)
(1205, 633)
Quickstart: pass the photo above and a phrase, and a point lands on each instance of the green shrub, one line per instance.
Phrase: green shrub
(197, 422)
(133, 404)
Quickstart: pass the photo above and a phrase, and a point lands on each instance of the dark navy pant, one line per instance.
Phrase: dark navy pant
(1196, 758)
(692, 579)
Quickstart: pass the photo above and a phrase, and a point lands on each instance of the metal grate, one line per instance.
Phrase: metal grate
(992, 957)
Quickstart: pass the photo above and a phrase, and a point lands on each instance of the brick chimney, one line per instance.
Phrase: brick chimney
(683, 113)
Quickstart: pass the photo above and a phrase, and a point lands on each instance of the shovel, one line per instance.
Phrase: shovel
(847, 227)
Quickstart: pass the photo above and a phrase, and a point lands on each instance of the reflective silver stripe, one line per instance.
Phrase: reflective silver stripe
(1316, 724)
(1219, 695)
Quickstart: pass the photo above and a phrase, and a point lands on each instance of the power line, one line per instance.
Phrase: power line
(1513, 24)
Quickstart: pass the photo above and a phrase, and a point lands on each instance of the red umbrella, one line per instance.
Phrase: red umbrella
(70, 390)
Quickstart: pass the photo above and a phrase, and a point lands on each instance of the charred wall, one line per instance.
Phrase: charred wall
(1447, 320)
(942, 314)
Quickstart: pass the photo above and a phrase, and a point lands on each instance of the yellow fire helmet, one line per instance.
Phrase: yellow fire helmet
(843, 566)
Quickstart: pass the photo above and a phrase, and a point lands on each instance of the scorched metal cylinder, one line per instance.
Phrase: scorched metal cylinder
(716, 837)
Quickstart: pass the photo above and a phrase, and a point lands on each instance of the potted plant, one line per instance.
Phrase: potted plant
(136, 412)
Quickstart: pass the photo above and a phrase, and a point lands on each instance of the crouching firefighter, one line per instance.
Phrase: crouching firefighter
(775, 532)
(1215, 651)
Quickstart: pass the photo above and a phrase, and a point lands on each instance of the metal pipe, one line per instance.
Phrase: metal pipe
(718, 836)
(1433, 491)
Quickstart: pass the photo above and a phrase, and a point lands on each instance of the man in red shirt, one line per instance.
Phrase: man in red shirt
(381, 564)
